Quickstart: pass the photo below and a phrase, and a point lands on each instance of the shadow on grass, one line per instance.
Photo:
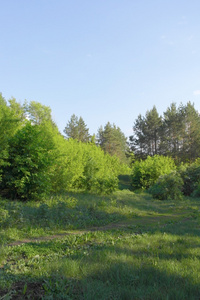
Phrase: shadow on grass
(32, 220)
(72, 211)
(125, 182)
(111, 274)
(162, 264)
(122, 281)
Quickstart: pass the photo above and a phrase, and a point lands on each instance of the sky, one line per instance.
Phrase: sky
(104, 60)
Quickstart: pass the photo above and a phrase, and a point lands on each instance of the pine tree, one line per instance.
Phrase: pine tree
(146, 138)
(177, 134)
(113, 141)
(191, 135)
(137, 141)
(83, 131)
(172, 132)
(153, 124)
(71, 129)
(77, 129)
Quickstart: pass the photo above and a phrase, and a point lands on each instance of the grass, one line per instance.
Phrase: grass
(124, 246)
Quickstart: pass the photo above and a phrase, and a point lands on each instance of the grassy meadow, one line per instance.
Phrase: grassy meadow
(85, 246)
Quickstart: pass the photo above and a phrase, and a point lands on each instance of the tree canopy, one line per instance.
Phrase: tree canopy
(77, 129)
(112, 140)
(36, 159)
(146, 138)
(176, 133)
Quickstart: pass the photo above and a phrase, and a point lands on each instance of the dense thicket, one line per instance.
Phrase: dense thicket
(11, 119)
(25, 173)
(84, 166)
(168, 186)
(164, 180)
(146, 172)
(191, 178)
(36, 159)
(175, 134)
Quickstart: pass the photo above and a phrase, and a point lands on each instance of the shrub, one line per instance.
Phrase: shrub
(104, 185)
(3, 215)
(191, 178)
(26, 172)
(196, 192)
(86, 167)
(167, 187)
(145, 173)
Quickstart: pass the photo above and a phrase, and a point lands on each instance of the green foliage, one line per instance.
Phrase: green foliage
(191, 137)
(113, 141)
(196, 192)
(84, 166)
(172, 131)
(191, 177)
(176, 134)
(145, 140)
(102, 185)
(101, 171)
(77, 129)
(167, 187)
(125, 182)
(38, 113)
(26, 173)
(36, 159)
(11, 118)
(145, 173)
(3, 215)
(153, 254)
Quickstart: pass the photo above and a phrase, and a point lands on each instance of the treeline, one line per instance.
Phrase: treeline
(166, 151)
(175, 134)
(110, 137)
(36, 159)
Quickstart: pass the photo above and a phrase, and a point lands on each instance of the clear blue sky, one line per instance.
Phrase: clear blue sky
(105, 60)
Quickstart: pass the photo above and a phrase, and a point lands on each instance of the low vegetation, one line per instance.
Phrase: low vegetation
(168, 186)
(164, 180)
(122, 246)
(146, 172)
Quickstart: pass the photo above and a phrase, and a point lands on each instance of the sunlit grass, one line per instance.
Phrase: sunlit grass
(148, 265)
(156, 255)
(66, 212)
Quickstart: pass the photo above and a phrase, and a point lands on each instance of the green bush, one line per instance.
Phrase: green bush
(196, 192)
(145, 173)
(103, 185)
(85, 166)
(36, 159)
(26, 173)
(191, 178)
(3, 215)
(168, 186)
